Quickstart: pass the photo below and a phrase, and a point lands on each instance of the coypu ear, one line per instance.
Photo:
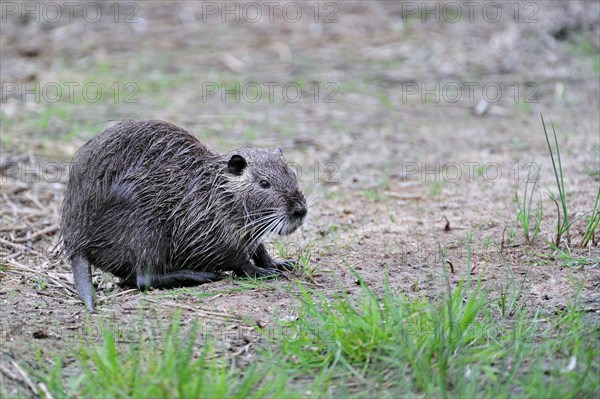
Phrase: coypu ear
(278, 151)
(236, 164)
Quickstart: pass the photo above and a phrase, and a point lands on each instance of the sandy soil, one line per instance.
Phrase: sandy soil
(402, 167)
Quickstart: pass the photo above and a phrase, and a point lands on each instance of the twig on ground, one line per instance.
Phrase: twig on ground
(25, 378)
(19, 267)
(34, 236)
(209, 313)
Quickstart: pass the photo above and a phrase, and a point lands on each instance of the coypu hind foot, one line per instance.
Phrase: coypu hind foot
(176, 279)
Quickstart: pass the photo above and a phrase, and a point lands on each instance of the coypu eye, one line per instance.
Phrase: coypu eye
(264, 184)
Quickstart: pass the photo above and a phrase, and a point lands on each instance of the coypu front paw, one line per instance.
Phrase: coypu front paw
(249, 270)
(287, 265)
(263, 260)
(175, 279)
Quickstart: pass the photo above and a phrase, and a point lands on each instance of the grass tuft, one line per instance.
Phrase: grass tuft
(525, 215)
(562, 225)
(592, 223)
(379, 344)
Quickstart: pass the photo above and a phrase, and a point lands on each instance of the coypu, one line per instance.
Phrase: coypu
(149, 203)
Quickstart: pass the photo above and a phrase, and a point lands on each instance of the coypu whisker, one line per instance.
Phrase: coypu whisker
(262, 232)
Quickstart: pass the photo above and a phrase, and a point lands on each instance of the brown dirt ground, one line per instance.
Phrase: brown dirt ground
(372, 214)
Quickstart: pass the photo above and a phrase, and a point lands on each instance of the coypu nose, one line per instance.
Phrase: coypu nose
(299, 211)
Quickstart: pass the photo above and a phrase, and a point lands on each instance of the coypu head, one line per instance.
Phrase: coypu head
(267, 188)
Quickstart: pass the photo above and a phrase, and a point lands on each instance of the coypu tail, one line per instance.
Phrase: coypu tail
(82, 275)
